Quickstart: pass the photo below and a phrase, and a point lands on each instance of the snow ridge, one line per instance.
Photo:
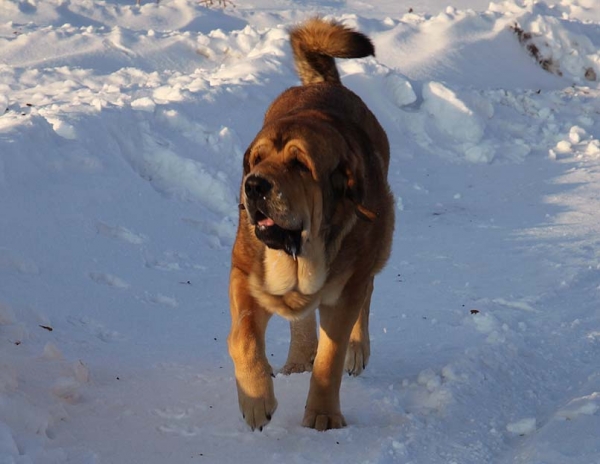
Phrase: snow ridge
(122, 132)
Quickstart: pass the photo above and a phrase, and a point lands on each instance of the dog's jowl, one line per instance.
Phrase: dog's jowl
(315, 226)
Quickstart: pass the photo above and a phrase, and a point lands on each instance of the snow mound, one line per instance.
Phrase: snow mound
(558, 44)
(522, 427)
(122, 133)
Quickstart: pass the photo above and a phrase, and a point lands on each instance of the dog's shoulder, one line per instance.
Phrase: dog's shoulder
(328, 98)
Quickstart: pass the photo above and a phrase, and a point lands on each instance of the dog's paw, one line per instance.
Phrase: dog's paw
(357, 357)
(258, 408)
(296, 368)
(257, 412)
(323, 421)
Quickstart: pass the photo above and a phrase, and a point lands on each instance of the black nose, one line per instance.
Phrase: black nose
(257, 187)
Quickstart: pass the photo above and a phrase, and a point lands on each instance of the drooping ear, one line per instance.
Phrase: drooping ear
(247, 161)
(339, 182)
(353, 170)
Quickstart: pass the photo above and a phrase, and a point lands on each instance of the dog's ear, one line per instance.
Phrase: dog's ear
(247, 161)
(349, 179)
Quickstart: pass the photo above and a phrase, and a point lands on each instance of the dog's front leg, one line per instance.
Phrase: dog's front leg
(246, 344)
(322, 410)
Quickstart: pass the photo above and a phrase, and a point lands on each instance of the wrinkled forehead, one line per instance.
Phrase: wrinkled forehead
(315, 144)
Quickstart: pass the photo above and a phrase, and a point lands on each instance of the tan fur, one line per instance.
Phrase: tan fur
(303, 345)
(316, 42)
(315, 186)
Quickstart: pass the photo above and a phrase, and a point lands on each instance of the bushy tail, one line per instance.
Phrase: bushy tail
(315, 44)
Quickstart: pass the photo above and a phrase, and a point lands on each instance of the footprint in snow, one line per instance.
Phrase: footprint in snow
(120, 233)
(171, 261)
(11, 261)
(176, 422)
(173, 413)
(184, 431)
(159, 299)
(220, 234)
(95, 328)
(108, 279)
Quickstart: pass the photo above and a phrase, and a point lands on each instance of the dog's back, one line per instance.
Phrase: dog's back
(315, 44)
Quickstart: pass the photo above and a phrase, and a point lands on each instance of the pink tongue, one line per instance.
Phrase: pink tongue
(268, 222)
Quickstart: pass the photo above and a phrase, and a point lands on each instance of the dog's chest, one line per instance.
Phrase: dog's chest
(283, 273)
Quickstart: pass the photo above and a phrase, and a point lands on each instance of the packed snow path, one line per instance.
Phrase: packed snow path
(122, 130)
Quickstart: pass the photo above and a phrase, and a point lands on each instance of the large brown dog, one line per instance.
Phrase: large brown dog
(315, 226)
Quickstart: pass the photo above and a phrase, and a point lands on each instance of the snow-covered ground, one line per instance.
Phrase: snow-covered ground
(122, 129)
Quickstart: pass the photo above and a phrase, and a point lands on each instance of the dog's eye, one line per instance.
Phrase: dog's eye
(257, 159)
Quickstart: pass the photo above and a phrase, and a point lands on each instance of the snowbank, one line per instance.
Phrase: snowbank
(122, 130)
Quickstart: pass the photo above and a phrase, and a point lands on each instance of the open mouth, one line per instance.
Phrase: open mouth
(276, 237)
(262, 221)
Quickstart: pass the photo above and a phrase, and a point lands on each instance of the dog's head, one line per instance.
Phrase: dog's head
(302, 181)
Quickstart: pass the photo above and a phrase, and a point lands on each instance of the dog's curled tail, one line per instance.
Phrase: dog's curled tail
(316, 42)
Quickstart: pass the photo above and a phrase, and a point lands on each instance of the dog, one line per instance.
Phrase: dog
(315, 225)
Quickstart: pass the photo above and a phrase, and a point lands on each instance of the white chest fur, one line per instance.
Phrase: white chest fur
(283, 273)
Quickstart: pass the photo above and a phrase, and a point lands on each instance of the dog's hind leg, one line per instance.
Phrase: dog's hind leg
(303, 345)
(359, 348)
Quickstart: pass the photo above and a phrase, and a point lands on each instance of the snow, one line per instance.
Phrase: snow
(522, 427)
(122, 130)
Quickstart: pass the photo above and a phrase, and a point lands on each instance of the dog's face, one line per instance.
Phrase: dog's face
(295, 183)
